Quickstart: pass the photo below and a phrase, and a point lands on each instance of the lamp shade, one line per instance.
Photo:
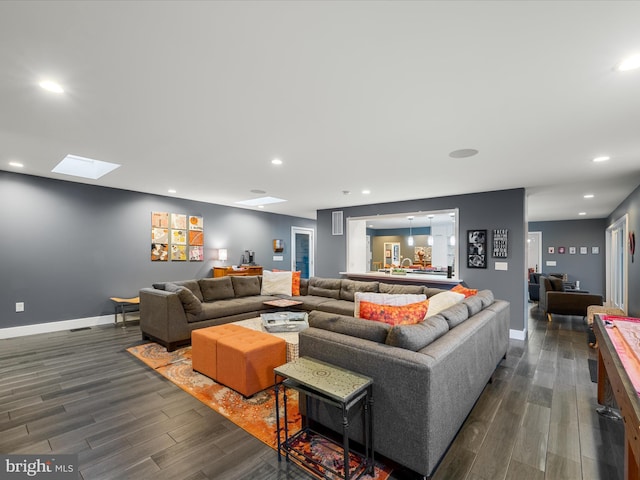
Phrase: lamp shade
(222, 254)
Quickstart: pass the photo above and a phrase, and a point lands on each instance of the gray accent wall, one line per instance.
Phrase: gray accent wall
(488, 210)
(67, 247)
(631, 206)
(589, 269)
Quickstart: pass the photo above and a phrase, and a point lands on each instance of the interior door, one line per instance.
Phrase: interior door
(302, 253)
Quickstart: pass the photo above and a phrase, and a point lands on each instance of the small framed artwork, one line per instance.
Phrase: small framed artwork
(278, 245)
(561, 250)
(551, 250)
(500, 243)
(595, 250)
(583, 250)
(477, 248)
(572, 250)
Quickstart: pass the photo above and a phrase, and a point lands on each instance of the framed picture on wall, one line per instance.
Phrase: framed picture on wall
(500, 243)
(476, 248)
(572, 250)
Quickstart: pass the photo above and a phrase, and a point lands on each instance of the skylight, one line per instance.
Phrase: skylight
(254, 202)
(84, 167)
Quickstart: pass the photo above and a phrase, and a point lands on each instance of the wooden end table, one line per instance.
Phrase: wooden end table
(334, 386)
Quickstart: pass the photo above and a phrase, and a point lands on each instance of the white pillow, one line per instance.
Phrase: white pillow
(276, 283)
(442, 301)
(397, 299)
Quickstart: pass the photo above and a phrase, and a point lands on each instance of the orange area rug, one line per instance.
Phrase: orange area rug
(256, 414)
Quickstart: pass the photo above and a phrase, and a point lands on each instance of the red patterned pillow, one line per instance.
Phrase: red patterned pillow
(295, 282)
(467, 292)
(393, 315)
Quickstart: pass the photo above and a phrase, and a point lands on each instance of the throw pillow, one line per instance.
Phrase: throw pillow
(442, 301)
(276, 283)
(190, 302)
(468, 292)
(295, 282)
(385, 299)
(404, 315)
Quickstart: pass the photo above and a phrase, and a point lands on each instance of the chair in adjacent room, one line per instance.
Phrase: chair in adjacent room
(554, 298)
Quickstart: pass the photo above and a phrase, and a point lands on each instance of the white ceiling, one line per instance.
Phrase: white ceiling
(200, 96)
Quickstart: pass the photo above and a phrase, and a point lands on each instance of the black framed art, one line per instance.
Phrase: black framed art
(477, 248)
(500, 243)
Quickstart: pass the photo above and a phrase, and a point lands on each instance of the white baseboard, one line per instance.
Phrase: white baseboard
(22, 331)
(518, 334)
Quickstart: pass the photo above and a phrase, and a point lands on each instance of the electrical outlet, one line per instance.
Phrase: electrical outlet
(19, 306)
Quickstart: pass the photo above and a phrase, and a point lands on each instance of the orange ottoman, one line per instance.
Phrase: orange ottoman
(204, 347)
(246, 360)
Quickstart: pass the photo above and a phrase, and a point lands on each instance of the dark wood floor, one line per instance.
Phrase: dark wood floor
(80, 392)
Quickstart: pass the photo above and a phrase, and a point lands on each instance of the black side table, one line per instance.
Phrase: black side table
(333, 386)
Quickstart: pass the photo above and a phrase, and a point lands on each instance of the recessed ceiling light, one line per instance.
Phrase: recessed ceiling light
(256, 202)
(84, 167)
(171, 190)
(629, 63)
(16, 164)
(366, 192)
(276, 161)
(589, 195)
(582, 214)
(260, 206)
(51, 86)
(463, 153)
(346, 192)
(604, 158)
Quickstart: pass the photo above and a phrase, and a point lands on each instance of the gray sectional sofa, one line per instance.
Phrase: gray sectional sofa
(170, 311)
(426, 377)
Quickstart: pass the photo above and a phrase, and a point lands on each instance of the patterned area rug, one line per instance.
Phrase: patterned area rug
(256, 414)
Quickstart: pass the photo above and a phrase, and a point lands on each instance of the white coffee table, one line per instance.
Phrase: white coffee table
(290, 337)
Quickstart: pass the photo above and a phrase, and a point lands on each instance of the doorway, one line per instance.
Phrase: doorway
(534, 252)
(302, 254)
(617, 264)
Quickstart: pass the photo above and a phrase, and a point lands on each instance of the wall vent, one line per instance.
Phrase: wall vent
(337, 223)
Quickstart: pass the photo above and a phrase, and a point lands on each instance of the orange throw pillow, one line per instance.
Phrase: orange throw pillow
(295, 282)
(467, 292)
(393, 315)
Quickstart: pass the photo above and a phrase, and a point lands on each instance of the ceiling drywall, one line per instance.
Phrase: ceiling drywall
(199, 97)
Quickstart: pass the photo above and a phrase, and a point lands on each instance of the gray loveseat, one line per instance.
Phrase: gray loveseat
(427, 377)
(170, 311)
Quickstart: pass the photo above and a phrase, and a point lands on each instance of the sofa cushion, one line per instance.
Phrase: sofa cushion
(276, 283)
(385, 299)
(487, 298)
(430, 291)
(556, 284)
(190, 302)
(442, 301)
(354, 327)
(474, 304)
(304, 286)
(348, 288)
(325, 287)
(192, 285)
(400, 289)
(416, 337)
(246, 286)
(455, 315)
(467, 292)
(216, 288)
(342, 307)
(394, 315)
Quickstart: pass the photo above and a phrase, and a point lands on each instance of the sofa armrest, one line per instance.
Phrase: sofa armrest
(162, 317)
(569, 303)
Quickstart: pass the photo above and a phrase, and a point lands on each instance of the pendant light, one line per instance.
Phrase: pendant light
(430, 236)
(410, 239)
